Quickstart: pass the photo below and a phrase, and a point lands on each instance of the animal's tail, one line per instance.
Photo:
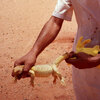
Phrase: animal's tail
(61, 58)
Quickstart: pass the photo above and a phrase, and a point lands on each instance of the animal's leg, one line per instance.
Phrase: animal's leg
(32, 74)
(55, 77)
(15, 79)
(17, 71)
(61, 78)
(56, 72)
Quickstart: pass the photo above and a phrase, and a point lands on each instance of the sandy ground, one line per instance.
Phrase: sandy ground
(20, 24)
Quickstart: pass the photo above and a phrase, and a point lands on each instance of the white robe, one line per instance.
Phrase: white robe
(86, 82)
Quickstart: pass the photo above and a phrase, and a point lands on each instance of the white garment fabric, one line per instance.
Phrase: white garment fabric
(86, 82)
(63, 10)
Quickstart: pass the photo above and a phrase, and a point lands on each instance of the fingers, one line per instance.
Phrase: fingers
(77, 55)
(80, 61)
(77, 63)
(72, 54)
(82, 55)
(18, 62)
(72, 61)
(13, 74)
(25, 72)
(28, 65)
(28, 61)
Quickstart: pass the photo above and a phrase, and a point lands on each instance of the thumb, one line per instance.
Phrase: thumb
(83, 55)
(72, 61)
(18, 62)
(27, 67)
(71, 54)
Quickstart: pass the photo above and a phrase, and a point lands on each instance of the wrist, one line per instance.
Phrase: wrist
(98, 58)
(95, 60)
(34, 52)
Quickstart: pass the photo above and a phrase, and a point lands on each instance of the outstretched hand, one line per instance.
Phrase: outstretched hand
(28, 61)
(82, 60)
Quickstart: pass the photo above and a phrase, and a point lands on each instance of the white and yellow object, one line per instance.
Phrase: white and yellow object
(43, 70)
(80, 47)
(51, 69)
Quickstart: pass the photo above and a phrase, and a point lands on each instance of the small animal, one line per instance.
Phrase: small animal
(43, 70)
(52, 69)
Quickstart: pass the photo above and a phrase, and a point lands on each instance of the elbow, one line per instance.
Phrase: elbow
(57, 21)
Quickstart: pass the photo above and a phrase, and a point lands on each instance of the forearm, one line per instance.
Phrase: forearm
(47, 35)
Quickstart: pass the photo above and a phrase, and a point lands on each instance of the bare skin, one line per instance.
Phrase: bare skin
(83, 60)
(46, 36)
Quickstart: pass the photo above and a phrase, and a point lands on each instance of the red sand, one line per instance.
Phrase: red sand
(20, 24)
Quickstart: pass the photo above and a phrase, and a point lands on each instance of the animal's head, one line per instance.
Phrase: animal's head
(17, 72)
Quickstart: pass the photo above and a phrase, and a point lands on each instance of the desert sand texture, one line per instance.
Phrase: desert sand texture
(20, 24)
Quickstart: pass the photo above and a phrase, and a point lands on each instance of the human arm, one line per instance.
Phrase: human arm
(46, 36)
(63, 11)
(83, 60)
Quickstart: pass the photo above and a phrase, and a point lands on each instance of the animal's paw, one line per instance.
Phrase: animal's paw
(32, 76)
(63, 81)
(54, 82)
(17, 72)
